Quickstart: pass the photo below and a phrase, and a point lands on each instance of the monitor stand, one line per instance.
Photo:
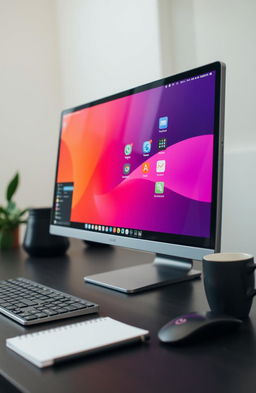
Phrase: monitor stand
(163, 271)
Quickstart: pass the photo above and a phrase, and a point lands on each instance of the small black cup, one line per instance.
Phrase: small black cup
(38, 241)
(229, 283)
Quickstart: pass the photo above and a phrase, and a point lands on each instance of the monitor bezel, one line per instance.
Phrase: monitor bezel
(179, 245)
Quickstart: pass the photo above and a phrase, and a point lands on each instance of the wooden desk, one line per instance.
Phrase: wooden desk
(226, 364)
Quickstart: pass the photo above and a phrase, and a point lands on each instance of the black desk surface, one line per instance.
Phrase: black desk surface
(224, 364)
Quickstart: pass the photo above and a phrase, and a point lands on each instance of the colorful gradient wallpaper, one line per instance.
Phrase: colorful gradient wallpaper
(143, 161)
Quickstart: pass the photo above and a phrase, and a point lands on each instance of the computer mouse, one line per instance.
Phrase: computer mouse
(190, 326)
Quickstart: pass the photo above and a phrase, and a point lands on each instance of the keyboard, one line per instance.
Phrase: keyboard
(30, 303)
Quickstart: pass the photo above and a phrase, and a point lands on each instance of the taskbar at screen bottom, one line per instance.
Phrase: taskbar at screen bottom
(137, 233)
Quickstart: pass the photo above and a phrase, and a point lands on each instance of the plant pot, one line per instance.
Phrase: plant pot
(9, 238)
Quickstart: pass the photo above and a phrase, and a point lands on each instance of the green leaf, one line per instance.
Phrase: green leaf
(22, 212)
(12, 187)
(3, 210)
(11, 207)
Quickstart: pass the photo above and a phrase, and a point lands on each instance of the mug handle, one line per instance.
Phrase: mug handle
(251, 267)
(251, 293)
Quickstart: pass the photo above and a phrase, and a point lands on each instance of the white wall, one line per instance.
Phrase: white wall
(29, 98)
(106, 47)
(227, 30)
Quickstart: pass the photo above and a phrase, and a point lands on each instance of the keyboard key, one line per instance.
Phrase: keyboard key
(24, 314)
(50, 312)
(30, 317)
(11, 308)
(61, 310)
(17, 311)
(41, 315)
(5, 304)
(29, 302)
(78, 306)
(20, 305)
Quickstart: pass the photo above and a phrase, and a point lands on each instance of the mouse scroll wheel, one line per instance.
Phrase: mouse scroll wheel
(180, 321)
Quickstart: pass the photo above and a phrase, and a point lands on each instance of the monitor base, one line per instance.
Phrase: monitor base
(163, 271)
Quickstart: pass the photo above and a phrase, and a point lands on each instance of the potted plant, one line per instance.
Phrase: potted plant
(10, 217)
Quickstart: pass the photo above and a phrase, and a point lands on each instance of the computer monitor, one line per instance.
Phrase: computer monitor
(143, 169)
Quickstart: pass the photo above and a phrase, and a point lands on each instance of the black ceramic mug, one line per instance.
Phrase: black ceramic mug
(229, 283)
(38, 241)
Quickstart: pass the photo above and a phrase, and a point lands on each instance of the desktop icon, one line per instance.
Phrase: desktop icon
(147, 146)
(139, 233)
(162, 143)
(114, 230)
(126, 169)
(118, 230)
(159, 187)
(122, 231)
(127, 231)
(128, 149)
(163, 122)
(160, 166)
(145, 167)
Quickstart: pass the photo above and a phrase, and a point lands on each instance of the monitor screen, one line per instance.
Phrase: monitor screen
(142, 167)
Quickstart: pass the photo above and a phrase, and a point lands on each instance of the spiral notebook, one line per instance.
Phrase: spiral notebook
(50, 346)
